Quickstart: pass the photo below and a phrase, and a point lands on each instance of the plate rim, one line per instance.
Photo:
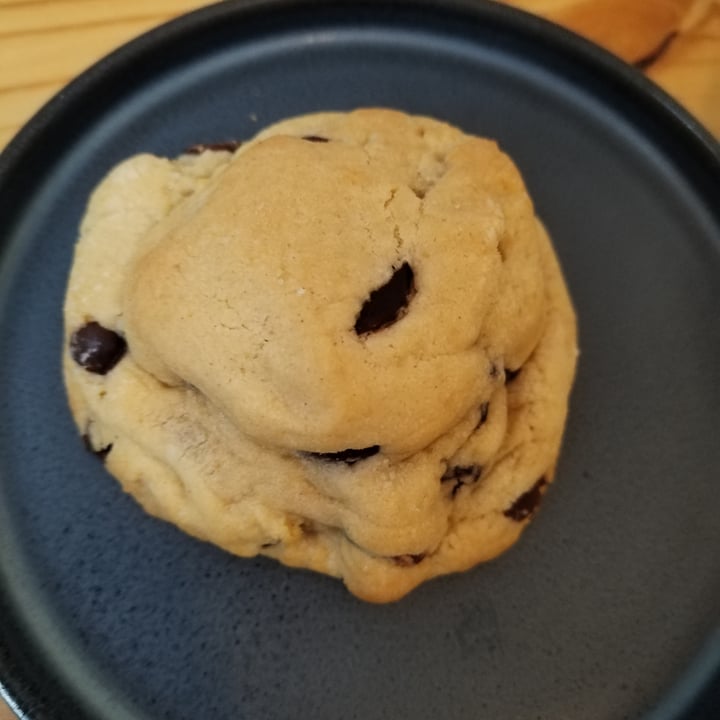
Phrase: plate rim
(33, 700)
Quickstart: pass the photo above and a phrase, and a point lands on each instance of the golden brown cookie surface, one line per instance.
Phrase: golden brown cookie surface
(346, 345)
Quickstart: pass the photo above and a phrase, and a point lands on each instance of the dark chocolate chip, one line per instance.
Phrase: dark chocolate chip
(484, 410)
(96, 348)
(527, 503)
(227, 146)
(308, 527)
(647, 60)
(349, 456)
(461, 475)
(102, 453)
(316, 138)
(387, 303)
(408, 560)
(510, 375)
(461, 471)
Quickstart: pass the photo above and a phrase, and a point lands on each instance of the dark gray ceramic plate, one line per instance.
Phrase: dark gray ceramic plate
(607, 609)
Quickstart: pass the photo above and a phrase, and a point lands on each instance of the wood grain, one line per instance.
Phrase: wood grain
(45, 43)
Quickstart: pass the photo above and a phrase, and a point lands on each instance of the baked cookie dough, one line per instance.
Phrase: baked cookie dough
(345, 344)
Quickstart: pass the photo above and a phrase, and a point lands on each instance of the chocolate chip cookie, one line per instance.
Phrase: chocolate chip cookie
(345, 344)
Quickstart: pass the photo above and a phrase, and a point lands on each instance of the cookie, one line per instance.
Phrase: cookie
(345, 344)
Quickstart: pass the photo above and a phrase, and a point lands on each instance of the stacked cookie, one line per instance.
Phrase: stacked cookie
(345, 344)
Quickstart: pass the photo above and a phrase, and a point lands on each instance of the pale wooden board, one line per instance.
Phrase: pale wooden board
(45, 43)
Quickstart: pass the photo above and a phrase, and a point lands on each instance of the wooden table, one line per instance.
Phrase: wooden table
(45, 43)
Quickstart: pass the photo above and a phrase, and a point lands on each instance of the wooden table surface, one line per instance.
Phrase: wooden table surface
(45, 43)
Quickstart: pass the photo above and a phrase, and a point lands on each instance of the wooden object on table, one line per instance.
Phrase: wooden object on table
(690, 68)
(675, 42)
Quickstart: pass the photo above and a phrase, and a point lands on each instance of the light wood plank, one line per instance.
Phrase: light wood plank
(5, 713)
(27, 60)
(59, 14)
(16, 3)
(21, 103)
